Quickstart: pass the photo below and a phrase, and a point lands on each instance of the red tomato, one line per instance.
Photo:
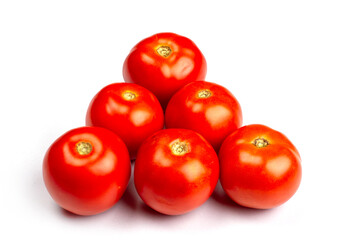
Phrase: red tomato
(86, 170)
(206, 108)
(129, 110)
(259, 167)
(163, 63)
(176, 171)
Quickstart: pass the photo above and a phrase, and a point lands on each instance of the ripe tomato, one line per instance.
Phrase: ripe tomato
(206, 108)
(129, 110)
(176, 171)
(259, 167)
(86, 170)
(163, 63)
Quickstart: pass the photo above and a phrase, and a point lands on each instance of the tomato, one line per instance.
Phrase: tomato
(176, 171)
(206, 108)
(86, 170)
(129, 110)
(259, 167)
(163, 63)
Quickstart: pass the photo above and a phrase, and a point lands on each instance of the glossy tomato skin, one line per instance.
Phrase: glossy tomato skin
(206, 108)
(129, 110)
(176, 171)
(86, 170)
(163, 63)
(260, 167)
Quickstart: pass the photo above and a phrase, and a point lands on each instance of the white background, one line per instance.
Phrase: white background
(293, 65)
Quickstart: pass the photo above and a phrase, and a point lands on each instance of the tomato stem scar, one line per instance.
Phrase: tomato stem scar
(261, 142)
(129, 95)
(205, 93)
(179, 148)
(84, 148)
(164, 51)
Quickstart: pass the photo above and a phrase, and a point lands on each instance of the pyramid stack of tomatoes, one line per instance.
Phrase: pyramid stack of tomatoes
(183, 133)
